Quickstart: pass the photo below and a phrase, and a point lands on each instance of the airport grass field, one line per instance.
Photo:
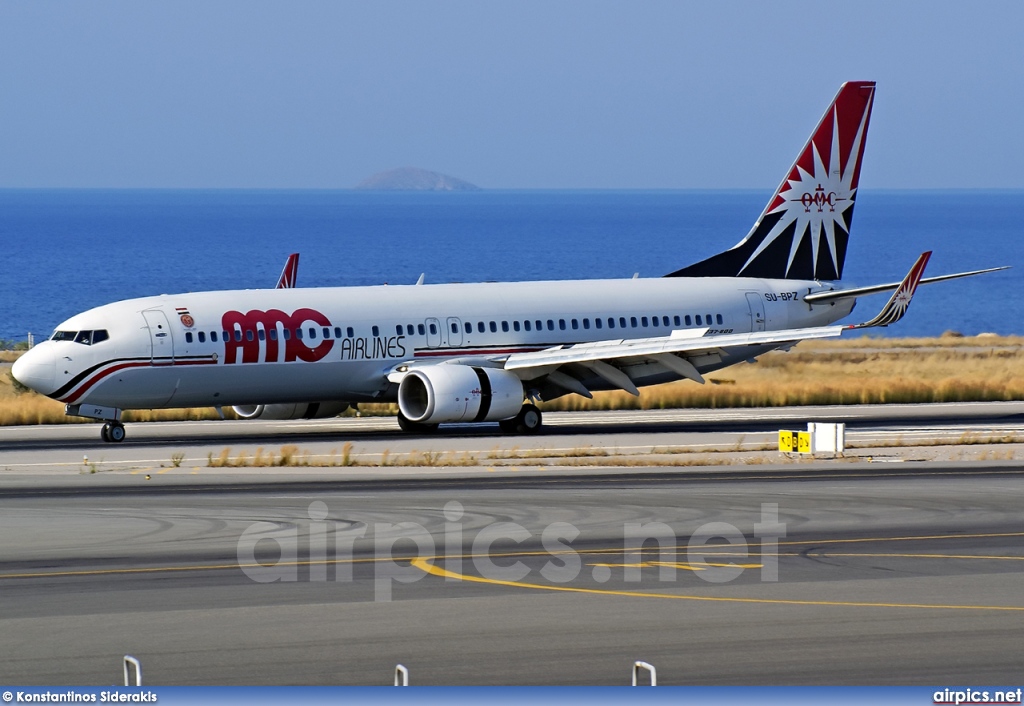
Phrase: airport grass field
(849, 371)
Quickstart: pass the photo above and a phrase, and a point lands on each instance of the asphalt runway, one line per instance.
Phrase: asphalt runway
(881, 579)
(150, 447)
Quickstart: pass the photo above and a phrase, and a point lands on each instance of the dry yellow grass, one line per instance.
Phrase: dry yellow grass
(846, 371)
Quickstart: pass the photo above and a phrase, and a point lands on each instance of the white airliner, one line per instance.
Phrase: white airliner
(477, 352)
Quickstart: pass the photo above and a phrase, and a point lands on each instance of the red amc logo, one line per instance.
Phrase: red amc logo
(244, 334)
(819, 198)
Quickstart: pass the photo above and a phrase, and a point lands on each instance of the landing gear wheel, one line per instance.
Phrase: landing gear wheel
(529, 420)
(116, 432)
(412, 427)
(105, 432)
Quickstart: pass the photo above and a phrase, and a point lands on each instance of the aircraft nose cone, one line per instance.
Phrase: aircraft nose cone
(37, 369)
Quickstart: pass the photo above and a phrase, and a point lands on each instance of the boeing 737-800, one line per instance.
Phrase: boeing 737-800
(484, 352)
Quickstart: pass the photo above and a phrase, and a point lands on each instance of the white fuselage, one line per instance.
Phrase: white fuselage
(169, 350)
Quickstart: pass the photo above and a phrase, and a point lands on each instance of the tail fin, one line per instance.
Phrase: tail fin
(804, 229)
(290, 273)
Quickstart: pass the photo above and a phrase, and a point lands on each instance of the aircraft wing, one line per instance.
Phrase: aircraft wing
(674, 351)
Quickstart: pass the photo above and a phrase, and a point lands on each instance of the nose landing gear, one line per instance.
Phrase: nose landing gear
(112, 432)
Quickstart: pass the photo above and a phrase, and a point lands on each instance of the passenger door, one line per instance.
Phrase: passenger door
(162, 343)
(756, 305)
(454, 332)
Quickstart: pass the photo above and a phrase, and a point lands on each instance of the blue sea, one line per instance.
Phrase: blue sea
(69, 250)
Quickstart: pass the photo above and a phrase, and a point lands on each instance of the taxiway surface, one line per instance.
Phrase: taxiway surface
(880, 580)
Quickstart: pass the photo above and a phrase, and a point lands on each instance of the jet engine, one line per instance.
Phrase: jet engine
(301, 410)
(459, 393)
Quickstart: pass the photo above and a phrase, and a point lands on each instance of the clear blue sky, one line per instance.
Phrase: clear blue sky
(506, 95)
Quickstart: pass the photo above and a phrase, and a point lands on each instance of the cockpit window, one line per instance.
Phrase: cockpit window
(87, 338)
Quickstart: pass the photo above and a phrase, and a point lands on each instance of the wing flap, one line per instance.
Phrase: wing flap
(654, 347)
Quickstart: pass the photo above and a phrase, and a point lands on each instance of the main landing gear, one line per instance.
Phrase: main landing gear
(112, 432)
(528, 421)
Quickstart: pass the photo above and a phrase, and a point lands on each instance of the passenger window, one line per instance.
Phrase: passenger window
(551, 325)
(350, 332)
(298, 333)
(718, 318)
(420, 329)
(664, 320)
(611, 322)
(698, 320)
(259, 332)
(312, 333)
(689, 321)
(287, 333)
(597, 323)
(586, 323)
(643, 321)
(539, 326)
(675, 320)
(238, 335)
(188, 337)
(575, 324)
(433, 330)
(273, 334)
(398, 329)
(480, 327)
(468, 327)
(455, 327)
(515, 325)
(561, 324)
(376, 331)
(337, 332)
(409, 330)
(504, 326)
(248, 335)
(632, 321)
(526, 324)
(327, 332)
(202, 336)
(494, 327)
(213, 336)
(622, 322)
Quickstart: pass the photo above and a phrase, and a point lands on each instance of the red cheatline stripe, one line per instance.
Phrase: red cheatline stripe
(463, 351)
(81, 390)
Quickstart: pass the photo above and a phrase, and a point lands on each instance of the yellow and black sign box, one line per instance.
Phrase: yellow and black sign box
(798, 441)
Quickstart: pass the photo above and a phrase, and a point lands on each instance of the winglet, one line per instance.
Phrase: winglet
(898, 303)
(290, 273)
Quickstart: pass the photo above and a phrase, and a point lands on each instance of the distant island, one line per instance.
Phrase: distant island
(414, 179)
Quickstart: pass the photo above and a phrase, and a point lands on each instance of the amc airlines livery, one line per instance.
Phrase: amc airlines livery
(484, 352)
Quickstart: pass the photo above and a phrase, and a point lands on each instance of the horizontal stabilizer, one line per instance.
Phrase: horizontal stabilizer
(834, 295)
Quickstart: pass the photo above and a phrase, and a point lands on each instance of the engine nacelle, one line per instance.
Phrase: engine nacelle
(300, 410)
(459, 393)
